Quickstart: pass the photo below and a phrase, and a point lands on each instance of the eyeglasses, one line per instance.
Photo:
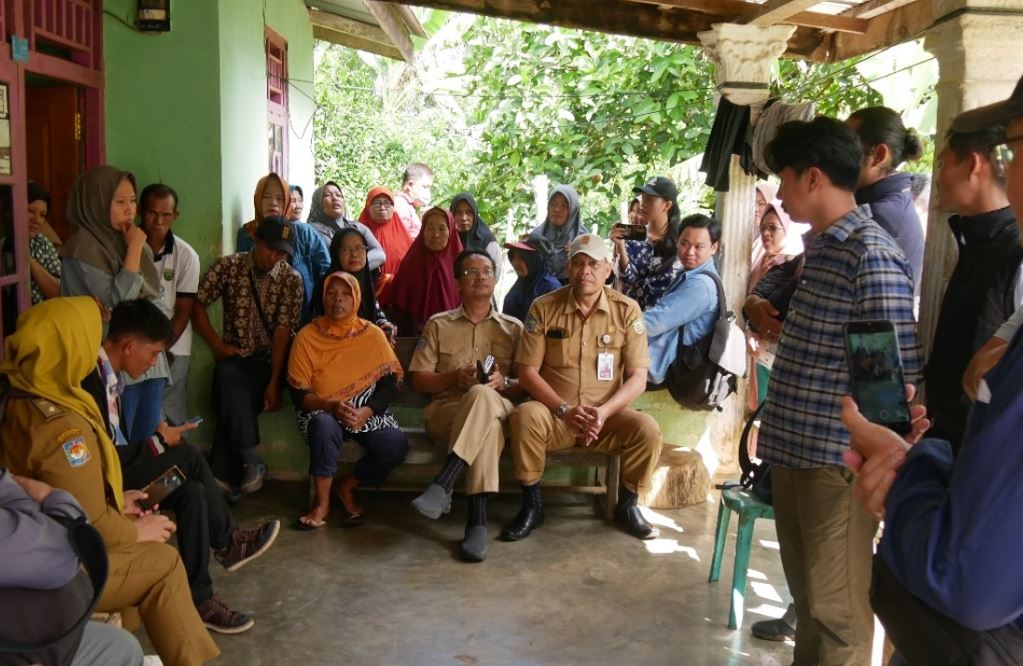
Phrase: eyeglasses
(770, 228)
(477, 273)
(357, 249)
(382, 204)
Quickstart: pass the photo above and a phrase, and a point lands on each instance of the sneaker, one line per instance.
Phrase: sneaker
(248, 544)
(253, 479)
(219, 618)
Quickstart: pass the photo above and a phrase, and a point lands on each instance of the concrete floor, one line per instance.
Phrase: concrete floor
(578, 591)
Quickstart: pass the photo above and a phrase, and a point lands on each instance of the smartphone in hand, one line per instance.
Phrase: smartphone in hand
(159, 489)
(875, 373)
(484, 369)
(633, 231)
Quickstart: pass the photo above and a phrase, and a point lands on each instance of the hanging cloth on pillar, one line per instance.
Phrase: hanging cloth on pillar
(729, 135)
(776, 113)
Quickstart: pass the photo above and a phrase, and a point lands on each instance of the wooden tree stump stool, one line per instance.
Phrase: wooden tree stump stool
(681, 479)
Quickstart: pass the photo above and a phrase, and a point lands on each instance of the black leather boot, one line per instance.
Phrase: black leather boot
(530, 515)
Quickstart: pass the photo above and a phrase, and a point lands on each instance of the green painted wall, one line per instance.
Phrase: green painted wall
(188, 108)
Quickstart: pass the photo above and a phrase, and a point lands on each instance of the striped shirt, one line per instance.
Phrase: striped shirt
(853, 271)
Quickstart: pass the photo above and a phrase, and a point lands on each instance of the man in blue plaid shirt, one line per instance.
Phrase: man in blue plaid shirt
(853, 271)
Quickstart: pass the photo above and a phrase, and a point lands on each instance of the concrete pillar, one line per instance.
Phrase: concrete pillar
(979, 62)
(744, 56)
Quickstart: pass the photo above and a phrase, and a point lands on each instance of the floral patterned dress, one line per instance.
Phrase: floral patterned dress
(647, 275)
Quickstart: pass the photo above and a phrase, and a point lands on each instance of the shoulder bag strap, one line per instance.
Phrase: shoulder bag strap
(259, 307)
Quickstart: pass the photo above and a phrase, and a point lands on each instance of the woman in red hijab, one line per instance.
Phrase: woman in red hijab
(381, 218)
(425, 283)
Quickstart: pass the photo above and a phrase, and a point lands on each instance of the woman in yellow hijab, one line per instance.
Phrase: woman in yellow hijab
(343, 375)
(54, 348)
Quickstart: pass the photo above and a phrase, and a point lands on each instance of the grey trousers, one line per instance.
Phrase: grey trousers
(107, 645)
(175, 398)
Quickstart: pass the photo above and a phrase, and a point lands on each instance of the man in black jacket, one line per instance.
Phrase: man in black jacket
(138, 332)
(984, 289)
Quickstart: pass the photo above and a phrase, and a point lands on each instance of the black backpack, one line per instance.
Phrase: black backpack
(705, 374)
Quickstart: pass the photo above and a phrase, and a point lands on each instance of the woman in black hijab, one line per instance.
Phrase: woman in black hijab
(348, 253)
(475, 234)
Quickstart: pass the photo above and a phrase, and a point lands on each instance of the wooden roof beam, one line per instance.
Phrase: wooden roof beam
(393, 26)
(892, 27)
(620, 17)
(740, 11)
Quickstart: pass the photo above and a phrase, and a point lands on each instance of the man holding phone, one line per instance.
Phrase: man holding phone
(853, 271)
(470, 404)
(175, 471)
(949, 557)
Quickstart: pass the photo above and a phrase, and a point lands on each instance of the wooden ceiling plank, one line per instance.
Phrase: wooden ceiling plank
(872, 8)
(778, 11)
(355, 42)
(343, 24)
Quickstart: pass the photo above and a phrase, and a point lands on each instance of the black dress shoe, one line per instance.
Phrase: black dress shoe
(632, 518)
(528, 520)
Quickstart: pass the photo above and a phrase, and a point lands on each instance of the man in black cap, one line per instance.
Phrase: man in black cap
(262, 299)
(947, 585)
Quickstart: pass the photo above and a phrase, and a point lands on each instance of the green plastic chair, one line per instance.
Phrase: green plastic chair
(743, 502)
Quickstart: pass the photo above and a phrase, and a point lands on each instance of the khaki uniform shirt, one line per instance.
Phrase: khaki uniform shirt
(450, 342)
(567, 348)
(43, 441)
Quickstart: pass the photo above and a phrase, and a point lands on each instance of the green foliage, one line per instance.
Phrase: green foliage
(836, 88)
(600, 112)
(365, 135)
(597, 111)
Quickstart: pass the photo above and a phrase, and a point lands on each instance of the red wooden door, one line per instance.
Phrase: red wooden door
(54, 133)
(14, 295)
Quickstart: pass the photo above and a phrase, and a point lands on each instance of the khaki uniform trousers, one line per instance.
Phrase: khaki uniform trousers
(474, 427)
(152, 577)
(633, 435)
(826, 541)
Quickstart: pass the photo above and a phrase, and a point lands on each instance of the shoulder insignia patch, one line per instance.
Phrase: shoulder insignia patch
(637, 327)
(47, 408)
(532, 325)
(75, 451)
(421, 342)
(168, 274)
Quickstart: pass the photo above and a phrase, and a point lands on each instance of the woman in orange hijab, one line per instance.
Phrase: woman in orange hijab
(343, 374)
(381, 218)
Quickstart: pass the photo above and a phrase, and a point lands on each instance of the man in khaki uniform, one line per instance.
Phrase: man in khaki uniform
(583, 359)
(465, 412)
(55, 439)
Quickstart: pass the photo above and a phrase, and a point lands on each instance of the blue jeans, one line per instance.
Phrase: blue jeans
(141, 407)
(385, 450)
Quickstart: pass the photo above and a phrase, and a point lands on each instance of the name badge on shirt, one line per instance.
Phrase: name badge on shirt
(605, 366)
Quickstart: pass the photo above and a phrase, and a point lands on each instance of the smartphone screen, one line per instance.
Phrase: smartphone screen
(875, 370)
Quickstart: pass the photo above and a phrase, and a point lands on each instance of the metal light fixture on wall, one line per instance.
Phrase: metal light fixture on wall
(153, 16)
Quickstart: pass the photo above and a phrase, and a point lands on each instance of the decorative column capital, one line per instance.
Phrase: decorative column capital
(744, 55)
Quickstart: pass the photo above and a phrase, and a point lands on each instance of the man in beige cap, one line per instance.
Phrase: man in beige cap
(583, 359)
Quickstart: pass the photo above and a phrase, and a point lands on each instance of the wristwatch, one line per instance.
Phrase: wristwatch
(562, 410)
(507, 384)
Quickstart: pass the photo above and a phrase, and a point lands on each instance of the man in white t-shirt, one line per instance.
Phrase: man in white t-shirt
(416, 184)
(178, 265)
